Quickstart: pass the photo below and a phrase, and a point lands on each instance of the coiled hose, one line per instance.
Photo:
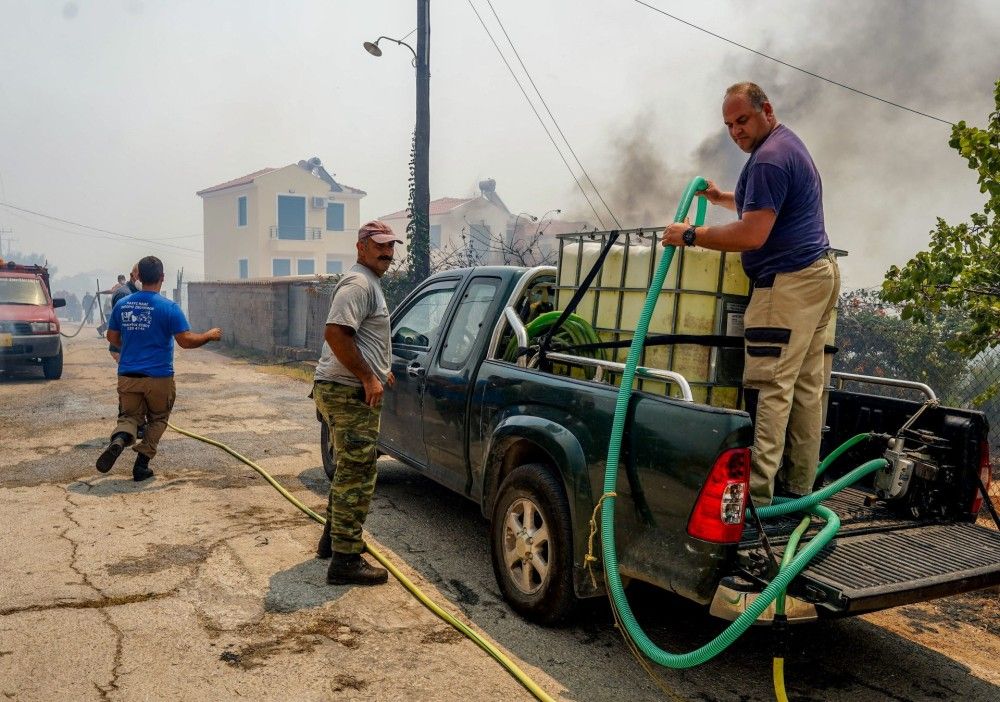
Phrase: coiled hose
(575, 331)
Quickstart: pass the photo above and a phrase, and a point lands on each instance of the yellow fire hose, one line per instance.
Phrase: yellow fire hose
(497, 655)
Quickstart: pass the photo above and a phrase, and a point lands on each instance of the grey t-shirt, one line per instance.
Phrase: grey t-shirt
(358, 303)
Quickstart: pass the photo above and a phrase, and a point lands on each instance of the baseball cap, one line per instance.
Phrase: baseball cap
(377, 231)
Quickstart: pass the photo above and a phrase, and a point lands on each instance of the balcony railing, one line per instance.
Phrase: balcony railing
(292, 233)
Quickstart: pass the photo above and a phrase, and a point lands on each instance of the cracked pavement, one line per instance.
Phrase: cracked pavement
(201, 584)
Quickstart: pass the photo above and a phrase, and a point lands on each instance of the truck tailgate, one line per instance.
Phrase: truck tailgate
(880, 559)
(865, 572)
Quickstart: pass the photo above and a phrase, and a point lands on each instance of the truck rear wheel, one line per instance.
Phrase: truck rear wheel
(53, 365)
(531, 545)
(328, 450)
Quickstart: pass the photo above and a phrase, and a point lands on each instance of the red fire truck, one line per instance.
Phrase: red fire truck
(29, 328)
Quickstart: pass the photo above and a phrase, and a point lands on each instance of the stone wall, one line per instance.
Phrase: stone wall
(256, 315)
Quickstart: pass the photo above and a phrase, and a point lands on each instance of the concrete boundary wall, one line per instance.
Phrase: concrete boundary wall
(262, 315)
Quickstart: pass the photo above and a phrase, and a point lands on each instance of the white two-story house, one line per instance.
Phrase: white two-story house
(479, 225)
(295, 220)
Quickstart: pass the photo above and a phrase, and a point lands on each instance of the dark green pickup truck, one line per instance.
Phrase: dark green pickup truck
(529, 446)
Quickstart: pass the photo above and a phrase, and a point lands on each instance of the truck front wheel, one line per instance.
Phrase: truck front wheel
(531, 542)
(53, 365)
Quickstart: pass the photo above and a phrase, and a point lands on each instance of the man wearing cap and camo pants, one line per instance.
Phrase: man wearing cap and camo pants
(350, 378)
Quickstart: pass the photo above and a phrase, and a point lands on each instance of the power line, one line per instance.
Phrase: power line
(533, 109)
(789, 65)
(96, 229)
(552, 116)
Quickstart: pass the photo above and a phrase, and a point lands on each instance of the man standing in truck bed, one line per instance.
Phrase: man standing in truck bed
(795, 283)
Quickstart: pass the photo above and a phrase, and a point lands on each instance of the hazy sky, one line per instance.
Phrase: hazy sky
(114, 112)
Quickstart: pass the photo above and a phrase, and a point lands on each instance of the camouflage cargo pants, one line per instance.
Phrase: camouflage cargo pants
(354, 427)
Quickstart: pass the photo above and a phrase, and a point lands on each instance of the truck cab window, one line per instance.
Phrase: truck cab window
(420, 324)
(468, 326)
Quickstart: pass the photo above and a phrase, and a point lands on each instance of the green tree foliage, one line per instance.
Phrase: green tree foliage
(960, 270)
(874, 339)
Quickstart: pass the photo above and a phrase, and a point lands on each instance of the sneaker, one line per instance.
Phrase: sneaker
(352, 569)
(141, 470)
(107, 459)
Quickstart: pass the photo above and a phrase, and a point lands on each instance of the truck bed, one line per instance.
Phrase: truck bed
(880, 559)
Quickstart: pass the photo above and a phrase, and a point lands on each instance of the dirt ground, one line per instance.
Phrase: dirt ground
(201, 584)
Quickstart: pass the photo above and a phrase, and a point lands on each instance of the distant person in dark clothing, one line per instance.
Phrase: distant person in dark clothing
(88, 309)
(121, 292)
(144, 325)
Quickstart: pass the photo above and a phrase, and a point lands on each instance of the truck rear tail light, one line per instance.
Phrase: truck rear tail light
(985, 474)
(719, 512)
(44, 328)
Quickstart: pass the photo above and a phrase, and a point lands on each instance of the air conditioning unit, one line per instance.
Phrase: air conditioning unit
(318, 203)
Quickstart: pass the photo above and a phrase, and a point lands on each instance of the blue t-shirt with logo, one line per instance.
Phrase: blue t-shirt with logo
(780, 175)
(147, 322)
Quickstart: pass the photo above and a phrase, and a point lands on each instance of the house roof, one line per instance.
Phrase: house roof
(437, 207)
(315, 168)
(243, 180)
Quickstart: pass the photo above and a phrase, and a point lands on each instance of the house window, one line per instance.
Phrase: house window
(241, 211)
(305, 266)
(335, 217)
(292, 217)
(244, 268)
(281, 266)
(435, 236)
(334, 265)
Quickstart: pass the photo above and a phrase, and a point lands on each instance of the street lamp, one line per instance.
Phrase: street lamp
(420, 246)
(373, 48)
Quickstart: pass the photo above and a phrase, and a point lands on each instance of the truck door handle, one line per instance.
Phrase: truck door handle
(415, 371)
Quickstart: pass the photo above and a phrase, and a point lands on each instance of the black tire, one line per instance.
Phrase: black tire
(328, 450)
(52, 366)
(541, 593)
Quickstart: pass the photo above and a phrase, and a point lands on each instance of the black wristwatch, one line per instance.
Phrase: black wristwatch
(689, 235)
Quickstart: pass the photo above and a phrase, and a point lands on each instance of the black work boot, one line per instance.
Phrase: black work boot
(324, 549)
(107, 459)
(141, 470)
(352, 569)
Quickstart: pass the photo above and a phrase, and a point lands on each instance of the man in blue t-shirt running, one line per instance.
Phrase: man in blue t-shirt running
(795, 283)
(144, 325)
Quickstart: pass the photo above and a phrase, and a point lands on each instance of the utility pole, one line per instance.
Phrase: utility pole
(10, 240)
(421, 244)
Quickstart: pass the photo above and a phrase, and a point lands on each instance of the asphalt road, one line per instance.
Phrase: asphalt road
(201, 584)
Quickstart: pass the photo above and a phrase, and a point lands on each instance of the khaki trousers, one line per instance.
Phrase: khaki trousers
(785, 331)
(145, 401)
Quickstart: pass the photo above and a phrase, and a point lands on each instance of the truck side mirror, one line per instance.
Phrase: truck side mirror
(58, 301)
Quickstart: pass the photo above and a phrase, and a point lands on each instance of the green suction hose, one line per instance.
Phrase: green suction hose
(575, 331)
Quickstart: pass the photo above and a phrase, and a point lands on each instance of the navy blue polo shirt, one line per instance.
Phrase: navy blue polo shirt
(780, 175)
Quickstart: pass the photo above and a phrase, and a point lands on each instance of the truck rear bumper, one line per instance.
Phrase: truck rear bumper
(733, 597)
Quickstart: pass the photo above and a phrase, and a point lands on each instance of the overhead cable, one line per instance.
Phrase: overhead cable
(96, 229)
(793, 66)
(540, 120)
(552, 116)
